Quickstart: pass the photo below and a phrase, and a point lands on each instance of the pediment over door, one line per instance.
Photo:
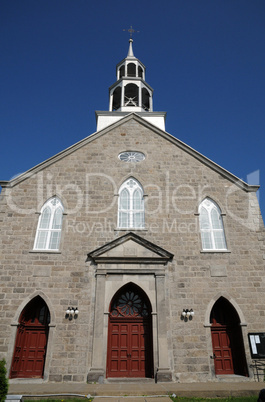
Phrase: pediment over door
(130, 249)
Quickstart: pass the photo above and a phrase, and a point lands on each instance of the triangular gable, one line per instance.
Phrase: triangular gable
(130, 248)
(203, 159)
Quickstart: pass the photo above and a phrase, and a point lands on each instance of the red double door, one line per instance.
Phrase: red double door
(31, 341)
(130, 346)
(129, 350)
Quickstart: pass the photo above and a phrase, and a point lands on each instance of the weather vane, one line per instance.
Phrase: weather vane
(131, 31)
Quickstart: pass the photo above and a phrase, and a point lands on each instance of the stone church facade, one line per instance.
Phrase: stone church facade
(130, 255)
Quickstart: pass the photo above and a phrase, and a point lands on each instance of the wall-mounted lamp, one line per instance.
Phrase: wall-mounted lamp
(71, 312)
(187, 314)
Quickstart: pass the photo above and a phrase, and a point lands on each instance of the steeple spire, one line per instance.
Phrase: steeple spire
(130, 51)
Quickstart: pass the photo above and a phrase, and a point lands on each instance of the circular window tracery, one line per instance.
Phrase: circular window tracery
(131, 156)
(129, 304)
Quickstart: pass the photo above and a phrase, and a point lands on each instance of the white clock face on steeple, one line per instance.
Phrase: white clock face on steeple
(131, 156)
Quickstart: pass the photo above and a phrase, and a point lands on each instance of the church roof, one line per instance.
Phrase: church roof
(132, 116)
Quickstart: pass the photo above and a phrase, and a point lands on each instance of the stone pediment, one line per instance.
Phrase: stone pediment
(105, 131)
(131, 249)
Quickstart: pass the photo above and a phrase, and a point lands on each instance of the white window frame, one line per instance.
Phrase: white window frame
(47, 230)
(135, 215)
(208, 229)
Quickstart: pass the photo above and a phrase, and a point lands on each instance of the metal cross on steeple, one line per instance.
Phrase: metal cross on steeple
(131, 31)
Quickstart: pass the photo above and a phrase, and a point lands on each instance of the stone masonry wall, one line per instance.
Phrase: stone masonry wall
(87, 182)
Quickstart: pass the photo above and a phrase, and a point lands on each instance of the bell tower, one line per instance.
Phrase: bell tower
(130, 94)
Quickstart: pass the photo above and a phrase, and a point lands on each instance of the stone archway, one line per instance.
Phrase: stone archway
(227, 340)
(31, 340)
(128, 258)
(130, 340)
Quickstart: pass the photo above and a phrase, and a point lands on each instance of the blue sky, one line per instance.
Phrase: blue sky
(205, 60)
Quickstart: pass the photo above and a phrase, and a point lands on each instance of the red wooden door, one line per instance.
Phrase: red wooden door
(128, 352)
(130, 347)
(223, 359)
(227, 340)
(33, 352)
(31, 341)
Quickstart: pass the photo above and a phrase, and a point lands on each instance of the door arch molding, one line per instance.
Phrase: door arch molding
(231, 300)
(227, 339)
(28, 299)
(135, 286)
(31, 340)
(116, 288)
(15, 323)
(130, 338)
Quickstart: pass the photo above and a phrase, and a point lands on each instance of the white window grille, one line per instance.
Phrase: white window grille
(49, 228)
(131, 205)
(211, 226)
(131, 156)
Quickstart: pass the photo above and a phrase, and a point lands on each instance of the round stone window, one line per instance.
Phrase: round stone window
(131, 156)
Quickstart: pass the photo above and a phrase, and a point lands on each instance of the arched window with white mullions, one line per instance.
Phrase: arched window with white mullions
(49, 228)
(211, 226)
(131, 205)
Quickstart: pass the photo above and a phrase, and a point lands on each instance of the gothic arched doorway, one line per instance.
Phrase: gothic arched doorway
(130, 341)
(31, 340)
(228, 348)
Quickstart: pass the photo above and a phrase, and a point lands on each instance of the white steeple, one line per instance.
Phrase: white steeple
(130, 93)
(130, 52)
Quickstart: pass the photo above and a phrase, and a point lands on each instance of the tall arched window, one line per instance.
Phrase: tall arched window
(48, 233)
(131, 205)
(211, 226)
